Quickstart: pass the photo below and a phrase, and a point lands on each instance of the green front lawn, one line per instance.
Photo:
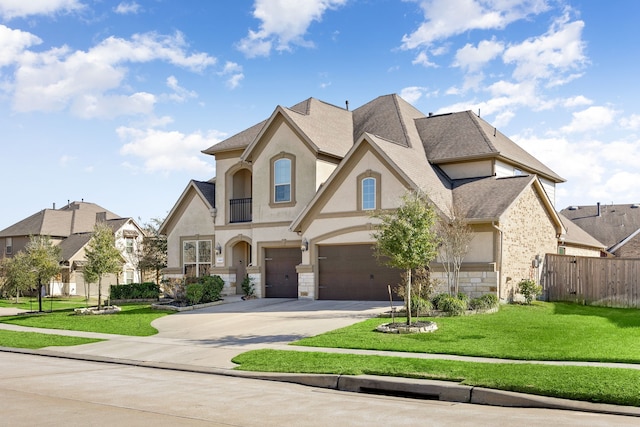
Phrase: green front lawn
(134, 319)
(36, 340)
(543, 331)
(48, 304)
(601, 385)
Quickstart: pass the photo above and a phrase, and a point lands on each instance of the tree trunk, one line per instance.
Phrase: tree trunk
(99, 292)
(408, 296)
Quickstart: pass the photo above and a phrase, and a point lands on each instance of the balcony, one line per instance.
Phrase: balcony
(240, 210)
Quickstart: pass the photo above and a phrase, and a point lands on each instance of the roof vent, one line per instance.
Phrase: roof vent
(573, 208)
(635, 206)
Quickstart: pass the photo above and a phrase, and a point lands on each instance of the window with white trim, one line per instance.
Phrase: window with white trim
(8, 246)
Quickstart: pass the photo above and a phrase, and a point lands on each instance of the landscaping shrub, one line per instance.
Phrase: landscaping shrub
(147, 290)
(420, 306)
(450, 304)
(194, 293)
(248, 288)
(485, 302)
(529, 289)
(211, 288)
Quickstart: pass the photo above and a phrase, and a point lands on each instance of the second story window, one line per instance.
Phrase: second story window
(282, 180)
(369, 194)
(128, 241)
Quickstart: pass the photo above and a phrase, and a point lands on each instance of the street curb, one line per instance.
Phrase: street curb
(394, 386)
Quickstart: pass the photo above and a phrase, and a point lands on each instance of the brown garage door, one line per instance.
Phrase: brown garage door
(351, 272)
(280, 270)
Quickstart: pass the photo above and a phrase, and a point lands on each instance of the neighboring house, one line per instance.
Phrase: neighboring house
(71, 227)
(290, 205)
(616, 226)
(578, 242)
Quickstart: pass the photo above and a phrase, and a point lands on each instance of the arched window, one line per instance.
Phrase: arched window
(369, 194)
(282, 180)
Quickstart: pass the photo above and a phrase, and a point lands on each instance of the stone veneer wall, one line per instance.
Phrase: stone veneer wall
(528, 230)
(306, 282)
(472, 283)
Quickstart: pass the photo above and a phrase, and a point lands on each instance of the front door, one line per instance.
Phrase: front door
(241, 258)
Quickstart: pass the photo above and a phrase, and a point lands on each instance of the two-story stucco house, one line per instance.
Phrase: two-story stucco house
(290, 205)
(71, 227)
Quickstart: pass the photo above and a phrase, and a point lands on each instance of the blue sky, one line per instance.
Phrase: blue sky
(112, 102)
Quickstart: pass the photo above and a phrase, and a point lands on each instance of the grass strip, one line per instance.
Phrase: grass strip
(599, 385)
(543, 331)
(35, 340)
(134, 320)
(48, 304)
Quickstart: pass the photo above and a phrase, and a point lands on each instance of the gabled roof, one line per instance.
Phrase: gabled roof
(614, 224)
(75, 217)
(310, 119)
(465, 136)
(577, 236)
(72, 245)
(487, 199)
(205, 189)
(239, 141)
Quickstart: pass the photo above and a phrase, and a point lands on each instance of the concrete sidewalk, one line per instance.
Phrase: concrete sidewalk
(206, 340)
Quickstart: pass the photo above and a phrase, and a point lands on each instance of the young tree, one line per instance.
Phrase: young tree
(44, 261)
(455, 235)
(153, 251)
(406, 239)
(17, 274)
(102, 256)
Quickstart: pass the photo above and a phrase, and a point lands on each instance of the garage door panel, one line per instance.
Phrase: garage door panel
(351, 272)
(281, 278)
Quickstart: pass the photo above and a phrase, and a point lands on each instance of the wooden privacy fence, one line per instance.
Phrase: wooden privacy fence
(611, 282)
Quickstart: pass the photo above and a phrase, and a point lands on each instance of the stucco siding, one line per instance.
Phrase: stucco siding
(195, 220)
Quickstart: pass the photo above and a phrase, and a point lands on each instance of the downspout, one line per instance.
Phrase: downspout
(499, 261)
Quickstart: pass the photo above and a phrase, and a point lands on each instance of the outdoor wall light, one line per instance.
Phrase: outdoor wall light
(218, 248)
(305, 245)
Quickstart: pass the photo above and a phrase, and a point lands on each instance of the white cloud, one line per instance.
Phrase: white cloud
(632, 122)
(423, 59)
(550, 55)
(167, 151)
(474, 58)
(21, 8)
(593, 118)
(64, 160)
(234, 73)
(446, 18)
(412, 94)
(179, 94)
(14, 43)
(577, 101)
(283, 23)
(126, 8)
(87, 82)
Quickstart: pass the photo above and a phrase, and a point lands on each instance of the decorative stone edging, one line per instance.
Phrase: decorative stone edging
(168, 306)
(110, 309)
(414, 328)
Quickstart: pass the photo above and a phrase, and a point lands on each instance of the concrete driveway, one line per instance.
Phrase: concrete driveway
(264, 321)
(211, 337)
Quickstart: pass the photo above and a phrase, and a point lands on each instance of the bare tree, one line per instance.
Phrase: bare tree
(455, 235)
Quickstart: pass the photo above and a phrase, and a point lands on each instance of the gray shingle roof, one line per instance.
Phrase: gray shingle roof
(208, 190)
(76, 217)
(473, 195)
(615, 223)
(239, 141)
(464, 135)
(72, 244)
(577, 236)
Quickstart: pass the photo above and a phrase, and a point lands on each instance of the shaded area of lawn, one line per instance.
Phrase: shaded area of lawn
(36, 340)
(48, 304)
(601, 385)
(543, 331)
(134, 319)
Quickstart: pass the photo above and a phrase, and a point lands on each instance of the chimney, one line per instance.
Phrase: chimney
(54, 206)
(347, 104)
(101, 217)
(598, 208)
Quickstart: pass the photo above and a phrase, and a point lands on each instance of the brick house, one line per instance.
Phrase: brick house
(291, 201)
(616, 226)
